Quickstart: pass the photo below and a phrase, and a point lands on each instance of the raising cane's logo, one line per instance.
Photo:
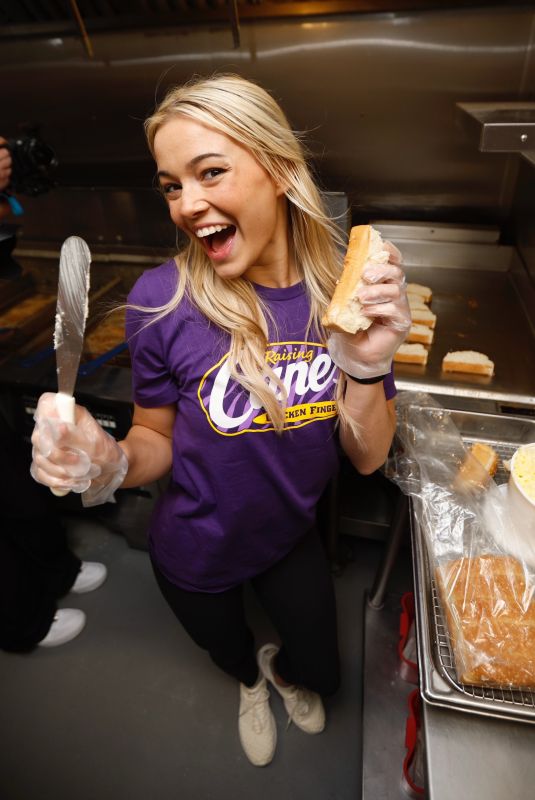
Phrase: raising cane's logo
(309, 377)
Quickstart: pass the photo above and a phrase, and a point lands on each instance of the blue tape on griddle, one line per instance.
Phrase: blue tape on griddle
(14, 204)
(36, 358)
(91, 366)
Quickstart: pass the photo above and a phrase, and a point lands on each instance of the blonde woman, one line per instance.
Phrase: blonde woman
(237, 395)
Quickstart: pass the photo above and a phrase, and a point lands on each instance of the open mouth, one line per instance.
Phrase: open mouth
(217, 239)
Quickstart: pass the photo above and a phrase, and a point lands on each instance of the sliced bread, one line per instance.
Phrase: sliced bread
(420, 333)
(411, 354)
(468, 361)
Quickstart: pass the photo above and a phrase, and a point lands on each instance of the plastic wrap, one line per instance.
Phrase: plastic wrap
(483, 563)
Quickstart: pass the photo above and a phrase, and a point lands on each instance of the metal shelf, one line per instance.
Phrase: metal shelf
(501, 127)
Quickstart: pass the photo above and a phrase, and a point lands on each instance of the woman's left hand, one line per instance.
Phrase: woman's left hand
(383, 295)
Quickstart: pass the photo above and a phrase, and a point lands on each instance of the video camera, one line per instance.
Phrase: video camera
(33, 165)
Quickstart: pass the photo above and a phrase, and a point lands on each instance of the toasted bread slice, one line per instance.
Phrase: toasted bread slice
(420, 333)
(424, 316)
(411, 354)
(469, 361)
(423, 291)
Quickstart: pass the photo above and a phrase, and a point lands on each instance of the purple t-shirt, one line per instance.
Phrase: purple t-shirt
(241, 495)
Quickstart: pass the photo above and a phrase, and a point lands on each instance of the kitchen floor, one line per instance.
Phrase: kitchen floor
(133, 710)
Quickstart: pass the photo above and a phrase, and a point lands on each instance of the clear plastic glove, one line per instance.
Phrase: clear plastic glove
(383, 295)
(81, 458)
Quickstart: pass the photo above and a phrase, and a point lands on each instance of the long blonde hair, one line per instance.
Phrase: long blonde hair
(246, 113)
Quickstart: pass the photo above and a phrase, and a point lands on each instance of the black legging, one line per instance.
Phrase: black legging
(298, 596)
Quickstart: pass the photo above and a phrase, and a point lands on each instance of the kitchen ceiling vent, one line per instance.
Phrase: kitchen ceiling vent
(116, 13)
(46, 17)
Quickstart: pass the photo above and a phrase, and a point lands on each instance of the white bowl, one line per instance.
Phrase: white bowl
(521, 504)
(509, 516)
(497, 518)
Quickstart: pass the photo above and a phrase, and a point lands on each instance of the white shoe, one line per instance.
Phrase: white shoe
(256, 723)
(304, 707)
(67, 624)
(91, 576)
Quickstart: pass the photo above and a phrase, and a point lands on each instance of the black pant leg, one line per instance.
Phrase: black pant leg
(36, 564)
(298, 596)
(26, 607)
(30, 519)
(216, 622)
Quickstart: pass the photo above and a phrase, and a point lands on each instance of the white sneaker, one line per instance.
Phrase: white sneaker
(256, 723)
(91, 576)
(67, 624)
(304, 707)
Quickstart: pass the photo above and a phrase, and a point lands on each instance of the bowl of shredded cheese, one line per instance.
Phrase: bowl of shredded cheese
(521, 491)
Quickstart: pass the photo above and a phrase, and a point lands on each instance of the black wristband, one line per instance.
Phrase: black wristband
(377, 379)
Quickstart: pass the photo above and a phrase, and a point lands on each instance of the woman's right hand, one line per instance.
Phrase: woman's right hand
(80, 458)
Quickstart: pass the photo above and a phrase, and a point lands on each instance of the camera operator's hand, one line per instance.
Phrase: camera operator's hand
(5, 165)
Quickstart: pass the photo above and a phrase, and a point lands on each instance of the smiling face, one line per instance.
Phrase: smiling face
(218, 193)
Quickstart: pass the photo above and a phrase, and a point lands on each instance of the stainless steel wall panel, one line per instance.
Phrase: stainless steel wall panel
(376, 94)
(524, 217)
(108, 218)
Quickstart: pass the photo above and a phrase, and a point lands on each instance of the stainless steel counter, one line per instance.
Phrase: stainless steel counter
(478, 741)
(476, 758)
(439, 684)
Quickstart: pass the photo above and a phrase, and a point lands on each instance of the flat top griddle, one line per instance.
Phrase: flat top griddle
(482, 301)
(476, 310)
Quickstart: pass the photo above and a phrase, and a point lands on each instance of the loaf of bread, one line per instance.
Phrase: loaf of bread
(469, 361)
(422, 291)
(411, 354)
(344, 312)
(490, 616)
(478, 467)
(420, 333)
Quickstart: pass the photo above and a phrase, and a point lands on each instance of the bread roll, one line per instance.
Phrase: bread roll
(411, 354)
(344, 312)
(491, 620)
(468, 361)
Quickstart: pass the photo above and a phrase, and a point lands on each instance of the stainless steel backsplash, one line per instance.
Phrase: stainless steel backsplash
(376, 94)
